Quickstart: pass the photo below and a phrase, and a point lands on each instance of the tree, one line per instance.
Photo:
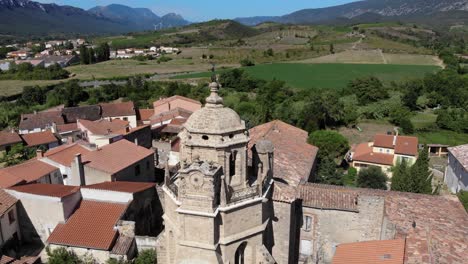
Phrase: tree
(103, 52)
(269, 53)
(349, 179)
(332, 49)
(84, 56)
(373, 178)
(327, 172)
(62, 256)
(146, 257)
(421, 177)
(367, 90)
(330, 143)
(407, 126)
(92, 56)
(18, 154)
(400, 177)
(247, 62)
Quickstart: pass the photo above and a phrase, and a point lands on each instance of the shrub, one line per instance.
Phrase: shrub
(247, 62)
(372, 177)
(146, 257)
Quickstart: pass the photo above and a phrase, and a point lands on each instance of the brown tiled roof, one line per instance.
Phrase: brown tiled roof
(364, 152)
(172, 98)
(171, 114)
(132, 130)
(51, 190)
(293, 156)
(6, 259)
(371, 252)
(67, 128)
(40, 120)
(145, 114)
(39, 138)
(115, 157)
(120, 186)
(104, 127)
(65, 154)
(29, 171)
(91, 226)
(461, 154)
(321, 197)
(6, 201)
(122, 245)
(284, 193)
(404, 145)
(9, 138)
(89, 112)
(118, 109)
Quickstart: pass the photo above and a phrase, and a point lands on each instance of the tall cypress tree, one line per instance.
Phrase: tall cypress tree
(421, 177)
(400, 177)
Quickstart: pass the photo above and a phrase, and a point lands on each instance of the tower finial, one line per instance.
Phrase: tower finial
(214, 100)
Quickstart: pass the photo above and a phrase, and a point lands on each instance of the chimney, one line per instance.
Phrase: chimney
(54, 128)
(136, 141)
(395, 136)
(80, 168)
(127, 129)
(39, 153)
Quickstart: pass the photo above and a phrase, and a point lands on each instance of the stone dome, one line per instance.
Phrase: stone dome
(214, 120)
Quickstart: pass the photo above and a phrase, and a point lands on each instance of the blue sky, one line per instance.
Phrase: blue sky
(200, 10)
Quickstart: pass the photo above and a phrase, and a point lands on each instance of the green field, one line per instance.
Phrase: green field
(328, 76)
(442, 137)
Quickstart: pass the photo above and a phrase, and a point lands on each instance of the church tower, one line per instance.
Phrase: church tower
(215, 211)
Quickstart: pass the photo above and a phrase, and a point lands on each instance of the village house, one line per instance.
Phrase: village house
(39, 121)
(62, 60)
(102, 132)
(8, 139)
(34, 63)
(119, 161)
(176, 101)
(19, 54)
(144, 115)
(43, 206)
(377, 252)
(456, 173)
(124, 111)
(31, 171)
(67, 133)
(44, 140)
(385, 152)
(10, 233)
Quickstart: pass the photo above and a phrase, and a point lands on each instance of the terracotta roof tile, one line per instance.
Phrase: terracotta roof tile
(67, 128)
(293, 157)
(6, 201)
(461, 154)
(39, 138)
(51, 190)
(6, 259)
(120, 186)
(404, 145)
(91, 226)
(9, 138)
(118, 109)
(284, 193)
(115, 157)
(40, 120)
(384, 141)
(122, 245)
(364, 152)
(88, 112)
(65, 154)
(321, 197)
(371, 252)
(104, 127)
(29, 171)
(145, 114)
(172, 98)
(170, 115)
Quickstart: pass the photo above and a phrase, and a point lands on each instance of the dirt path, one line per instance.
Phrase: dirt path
(355, 44)
(384, 60)
(439, 62)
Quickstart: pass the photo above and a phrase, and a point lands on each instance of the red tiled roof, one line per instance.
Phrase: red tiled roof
(145, 114)
(104, 127)
(9, 138)
(67, 128)
(40, 120)
(52, 190)
(39, 138)
(363, 152)
(131, 130)
(404, 145)
(461, 154)
(29, 171)
(319, 196)
(91, 226)
(65, 154)
(117, 156)
(284, 193)
(120, 186)
(6, 259)
(118, 109)
(171, 114)
(172, 98)
(384, 141)
(6, 201)
(371, 252)
(293, 157)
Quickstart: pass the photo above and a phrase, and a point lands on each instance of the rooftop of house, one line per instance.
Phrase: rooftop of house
(65, 154)
(171, 114)
(115, 157)
(401, 144)
(51, 190)
(56, 58)
(24, 260)
(29, 171)
(9, 138)
(175, 97)
(104, 127)
(91, 226)
(461, 154)
(6, 201)
(67, 128)
(128, 130)
(145, 114)
(118, 109)
(321, 197)
(39, 138)
(293, 157)
(88, 112)
(371, 252)
(118, 186)
(364, 152)
(40, 120)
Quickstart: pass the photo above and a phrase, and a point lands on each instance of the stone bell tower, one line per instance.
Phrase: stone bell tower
(215, 211)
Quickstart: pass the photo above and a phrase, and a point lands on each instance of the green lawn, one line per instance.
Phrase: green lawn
(442, 137)
(423, 120)
(300, 75)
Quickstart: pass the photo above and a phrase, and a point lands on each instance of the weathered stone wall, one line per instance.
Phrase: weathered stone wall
(286, 223)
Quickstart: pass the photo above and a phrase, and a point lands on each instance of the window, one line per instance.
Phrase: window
(307, 223)
(137, 170)
(125, 118)
(65, 176)
(381, 150)
(240, 252)
(205, 137)
(11, 216)
(388, 151)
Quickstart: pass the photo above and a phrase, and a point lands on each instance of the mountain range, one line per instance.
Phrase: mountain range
(24, 17)
(365, 10)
